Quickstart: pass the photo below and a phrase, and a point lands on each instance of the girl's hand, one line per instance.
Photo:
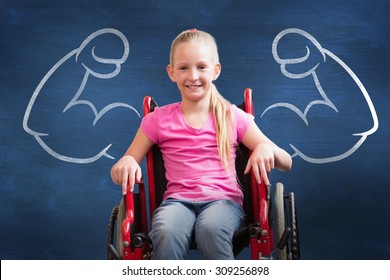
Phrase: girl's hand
(261, 162)
(126, 172)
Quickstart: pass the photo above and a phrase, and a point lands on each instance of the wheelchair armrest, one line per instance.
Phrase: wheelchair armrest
(139, 200)
(264, 206)
(135, 218)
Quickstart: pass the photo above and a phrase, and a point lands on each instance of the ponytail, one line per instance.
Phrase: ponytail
(223, 124)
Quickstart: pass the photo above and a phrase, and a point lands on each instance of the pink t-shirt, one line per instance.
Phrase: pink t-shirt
(193, 166)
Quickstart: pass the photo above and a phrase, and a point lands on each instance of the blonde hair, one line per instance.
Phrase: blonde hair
(218, 104)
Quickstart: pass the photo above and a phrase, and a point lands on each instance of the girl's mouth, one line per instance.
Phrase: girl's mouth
(193, 86)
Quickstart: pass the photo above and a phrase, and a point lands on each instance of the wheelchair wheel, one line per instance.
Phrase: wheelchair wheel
(111, 230)
(295, 251)
(280, 219)
(121, 217)
(286, 225)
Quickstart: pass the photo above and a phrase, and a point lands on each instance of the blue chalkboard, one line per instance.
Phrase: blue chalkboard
(74, 74)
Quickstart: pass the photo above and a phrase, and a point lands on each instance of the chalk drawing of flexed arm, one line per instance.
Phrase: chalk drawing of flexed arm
(324, 100)
(114, 64)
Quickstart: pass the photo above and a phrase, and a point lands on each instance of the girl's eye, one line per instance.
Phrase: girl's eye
(202, 67)
(183, 68)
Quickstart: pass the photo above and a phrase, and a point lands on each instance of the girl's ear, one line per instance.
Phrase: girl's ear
(170, 73)
(217, 71)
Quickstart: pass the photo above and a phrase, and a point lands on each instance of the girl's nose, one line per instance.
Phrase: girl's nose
(194, 75)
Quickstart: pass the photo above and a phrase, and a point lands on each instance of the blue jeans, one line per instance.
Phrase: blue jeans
(213, 222)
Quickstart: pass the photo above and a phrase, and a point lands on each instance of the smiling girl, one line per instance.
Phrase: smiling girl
(198, 138)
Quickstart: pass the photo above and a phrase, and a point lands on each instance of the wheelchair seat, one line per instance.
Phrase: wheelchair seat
(129, 220)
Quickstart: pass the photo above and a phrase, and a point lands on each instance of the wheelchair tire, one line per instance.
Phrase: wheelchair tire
(280, 219)
(111, 230)
(121, 217)
(295, 247)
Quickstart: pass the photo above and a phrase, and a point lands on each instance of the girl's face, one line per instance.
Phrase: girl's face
(193, 70)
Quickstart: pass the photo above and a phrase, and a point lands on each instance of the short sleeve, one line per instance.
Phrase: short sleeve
(242, 121)
(149, 126)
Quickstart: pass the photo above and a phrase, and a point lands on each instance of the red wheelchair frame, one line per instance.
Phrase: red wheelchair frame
(131, 216)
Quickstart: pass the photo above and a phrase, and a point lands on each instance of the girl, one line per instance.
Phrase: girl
(198, 138)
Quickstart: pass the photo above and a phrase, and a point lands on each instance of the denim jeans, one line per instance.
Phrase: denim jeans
(213, 223)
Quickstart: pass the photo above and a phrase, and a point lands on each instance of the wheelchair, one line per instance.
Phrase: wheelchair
(271, 230)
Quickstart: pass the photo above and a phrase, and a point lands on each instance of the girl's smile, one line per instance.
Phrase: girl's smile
(194, 87)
